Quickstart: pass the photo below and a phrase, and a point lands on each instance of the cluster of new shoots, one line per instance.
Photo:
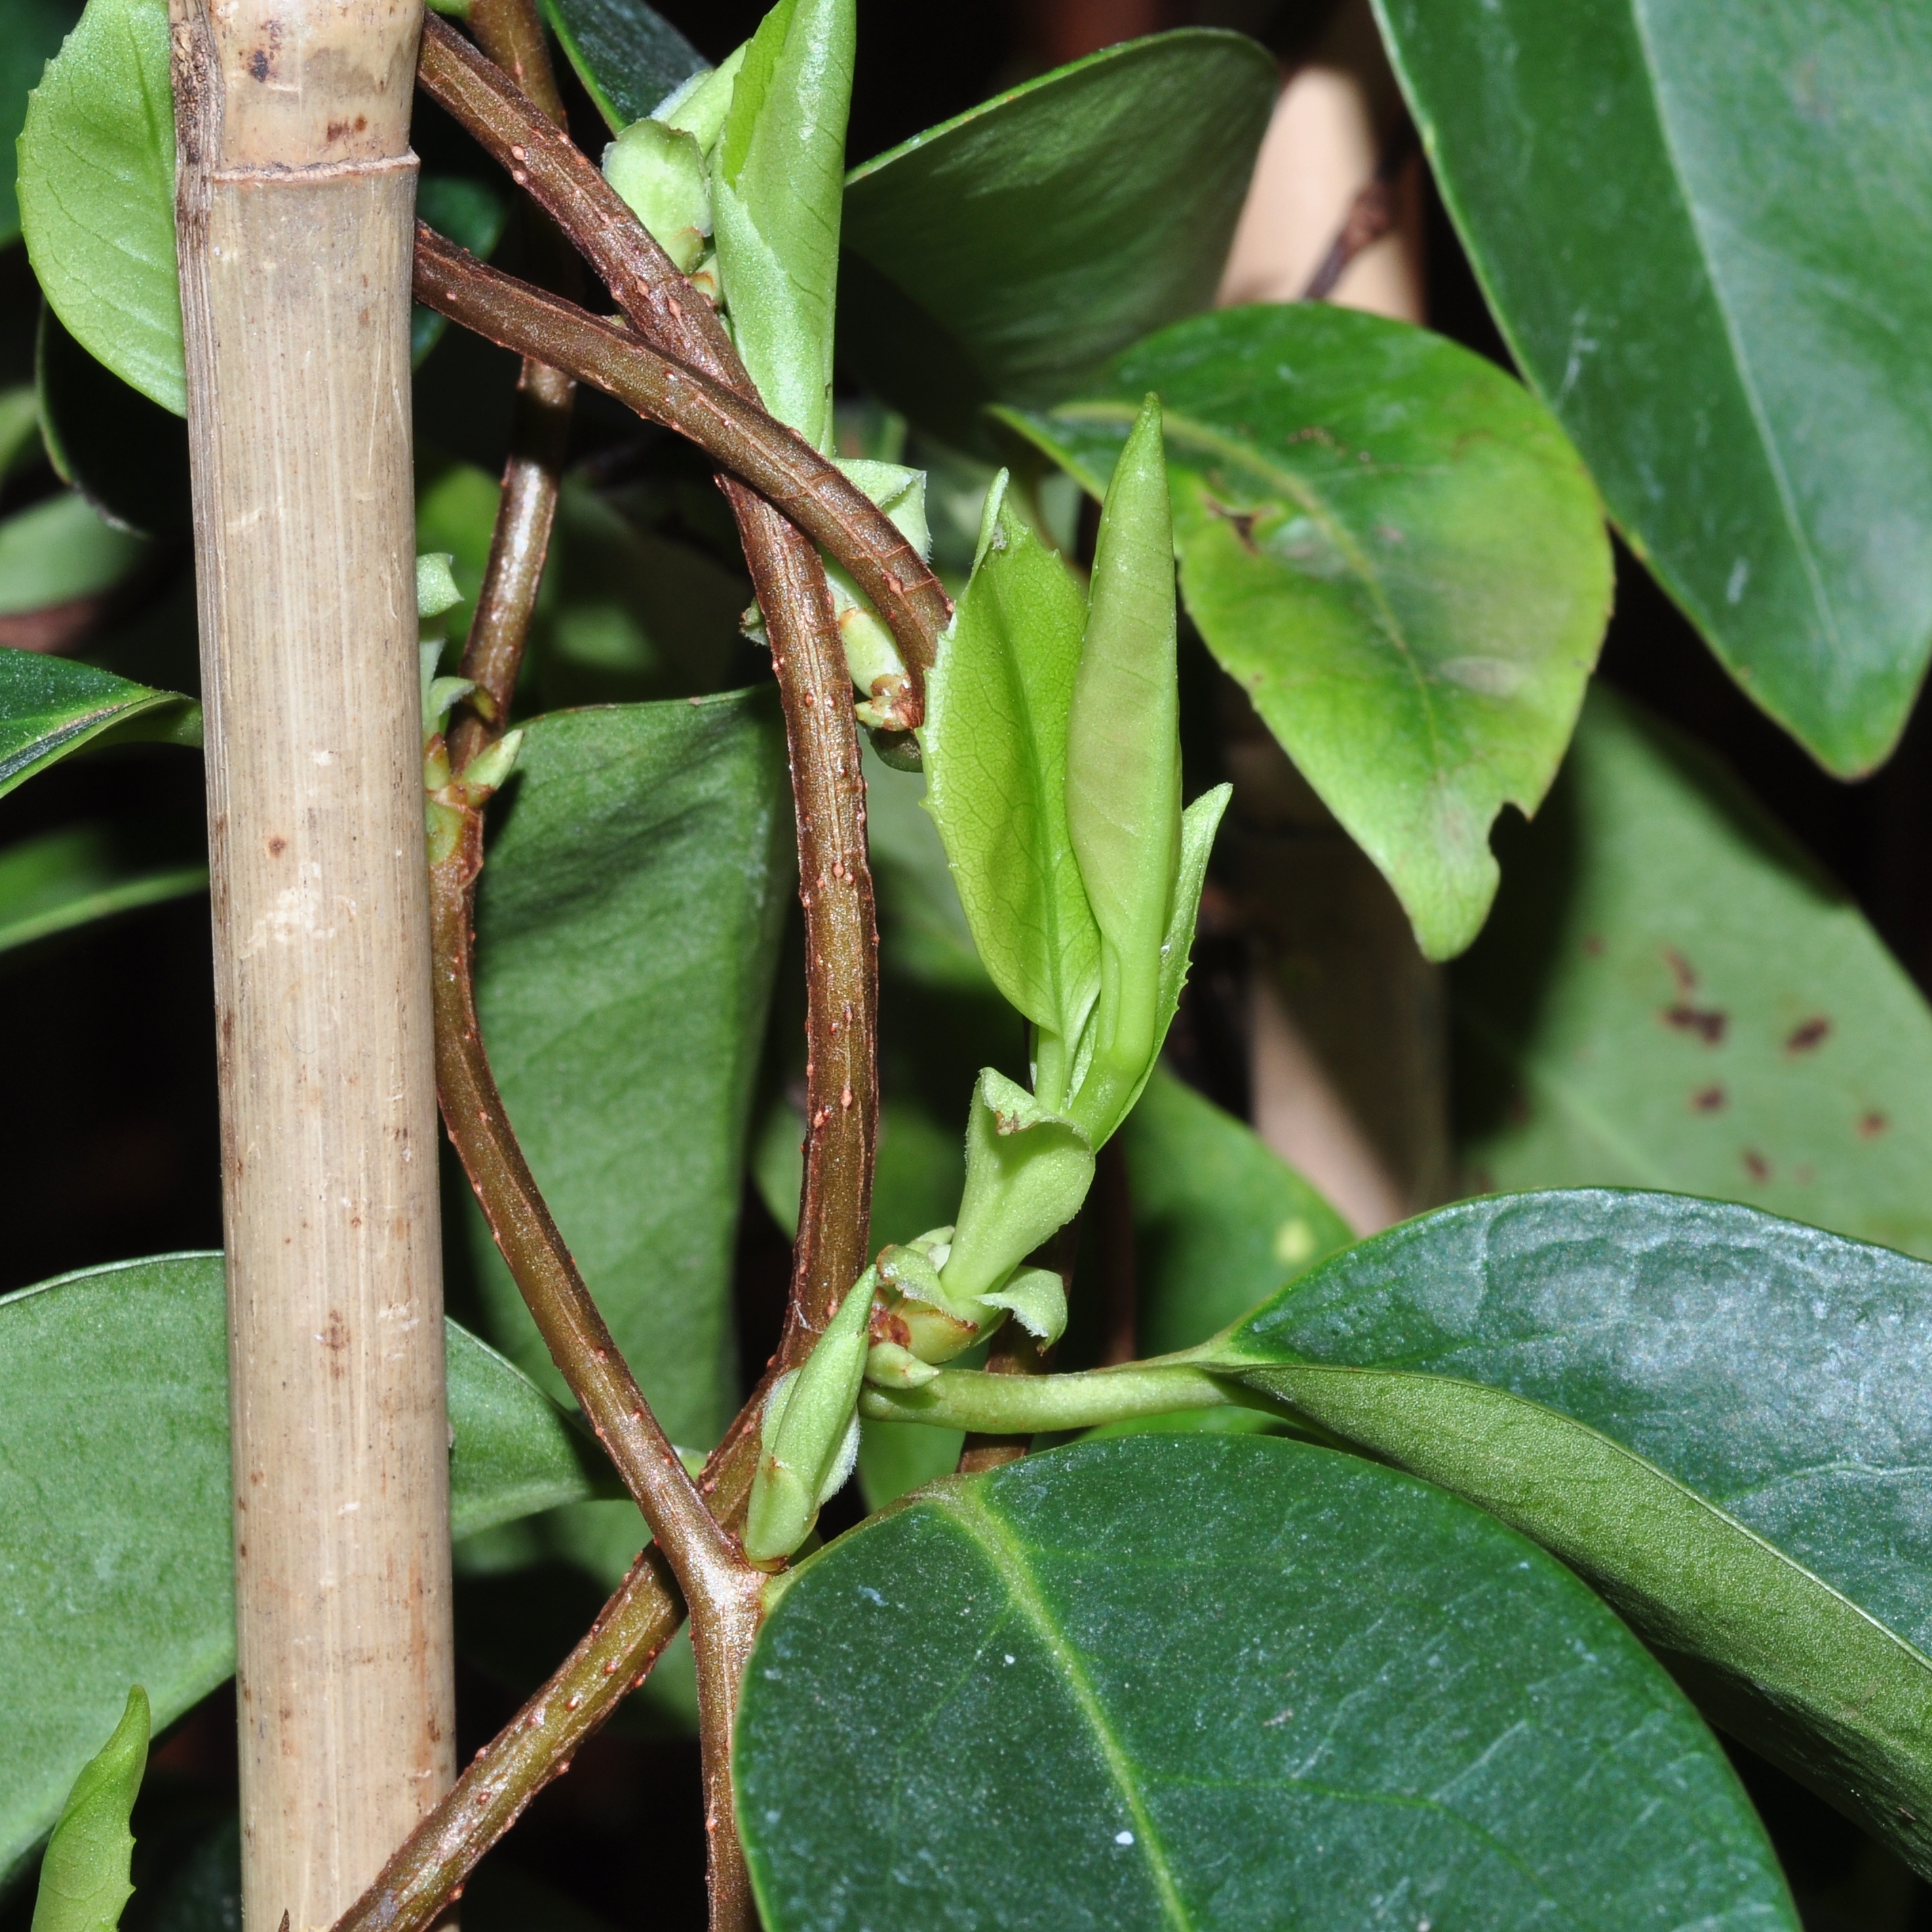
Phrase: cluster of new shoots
(1052, 751)
(739, 177)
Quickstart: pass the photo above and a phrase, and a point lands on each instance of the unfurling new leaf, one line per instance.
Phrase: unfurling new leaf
(84, 1882)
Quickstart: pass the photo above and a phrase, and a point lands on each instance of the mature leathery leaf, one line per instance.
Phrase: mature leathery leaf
(115, 1562)
(1222, 1681)
(1392, 546)
(1698, 227)
(994, 740)
(60, 550)
(96, 188)
(1220, 1220)
(34, 31)
(471, 215)
(627, 933)
(1671, 995)
(50, 706)
(777, 186)
(126, 455)
(1720, 1419)
(61, 879)
(1004, 255)
(628, 55)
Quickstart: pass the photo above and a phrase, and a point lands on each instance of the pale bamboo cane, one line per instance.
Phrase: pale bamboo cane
(295, 199)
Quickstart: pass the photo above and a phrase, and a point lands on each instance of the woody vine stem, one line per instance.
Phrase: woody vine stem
(675, 365)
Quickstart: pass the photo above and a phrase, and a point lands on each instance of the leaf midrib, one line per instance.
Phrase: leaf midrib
(1004, 1551)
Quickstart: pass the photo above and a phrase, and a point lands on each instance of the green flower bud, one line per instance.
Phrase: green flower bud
(916, 1314)
(437, 590)
(1123, 771)
(871, 656)
(808, 1434)
(891, 1365)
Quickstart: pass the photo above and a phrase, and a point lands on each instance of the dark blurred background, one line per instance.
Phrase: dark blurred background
(108, 1148)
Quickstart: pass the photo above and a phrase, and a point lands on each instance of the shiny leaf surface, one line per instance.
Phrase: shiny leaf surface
(1210, 1681)
(1671, 994)
(116, 1541)
(1700, 229)
(1004, 255)
(1720, 1419)
(1393, 549)
(35, 30)
(627, 54)
(51, 707)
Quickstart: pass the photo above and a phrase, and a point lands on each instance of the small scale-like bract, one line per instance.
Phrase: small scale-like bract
(84, 1882)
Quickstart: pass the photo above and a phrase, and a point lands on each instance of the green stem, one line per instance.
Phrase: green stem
(1013, 1405)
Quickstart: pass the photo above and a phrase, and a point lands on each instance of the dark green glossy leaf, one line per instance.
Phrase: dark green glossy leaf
(1700, 231)
(1721, 1420)
(126, 455)
(1671, 995)
(97, 189)
(1223, 1682)
(115, 1562)
(34, 32)
(1220, 1220)
(51, 707)
(1003, 256)
(1393, 547)
(627, 932)
(627, 54)
(71, 878)
(472, 214)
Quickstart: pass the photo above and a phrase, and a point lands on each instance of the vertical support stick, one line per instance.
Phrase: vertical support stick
(295, 201)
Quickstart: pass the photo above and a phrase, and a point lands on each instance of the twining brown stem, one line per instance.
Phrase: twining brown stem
(430, 1866)
(676, 320)
(1371, 215)
(511, 33)
(734, 431)
(722, 1589)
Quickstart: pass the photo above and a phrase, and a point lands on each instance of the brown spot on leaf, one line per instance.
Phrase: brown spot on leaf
(1873, 1124)
(1681, 969)
(1708, 1099)
(1241, 522)
(1803, 1038)
(1756, 1166)
(1593, 944)
(1708, 1023)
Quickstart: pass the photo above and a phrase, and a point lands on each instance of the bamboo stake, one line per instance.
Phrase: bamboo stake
(296, 199)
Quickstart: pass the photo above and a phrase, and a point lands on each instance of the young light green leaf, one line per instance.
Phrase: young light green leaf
(1221, 1682)
(628, 55)
(1740, 367)
(1671, 995)
(1003, 256)
(71, 878)
(1720, 1419)
(994, 742)
(84, 1875)
(635, 893)
(778, 181)
(96, 188)
(34, 31)
(116, 1542)
(1124, 768)
(1393, 548)
(50, 707)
